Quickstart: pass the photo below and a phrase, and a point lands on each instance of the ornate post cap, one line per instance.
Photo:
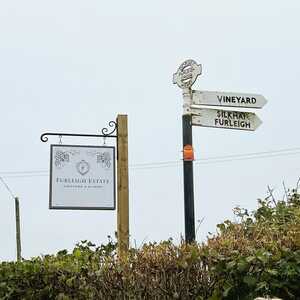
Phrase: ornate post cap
(187, 74)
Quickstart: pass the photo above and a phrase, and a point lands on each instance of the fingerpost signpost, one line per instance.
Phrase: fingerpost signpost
(194, 114)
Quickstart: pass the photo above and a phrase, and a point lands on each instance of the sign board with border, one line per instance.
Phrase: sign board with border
(82, 177)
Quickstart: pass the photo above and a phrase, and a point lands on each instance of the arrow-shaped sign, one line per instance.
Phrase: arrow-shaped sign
(208, 117)
(228, 99)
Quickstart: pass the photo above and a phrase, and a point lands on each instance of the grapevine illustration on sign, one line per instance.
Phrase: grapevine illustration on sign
(103, 157)
(63, 157)
(83, 167)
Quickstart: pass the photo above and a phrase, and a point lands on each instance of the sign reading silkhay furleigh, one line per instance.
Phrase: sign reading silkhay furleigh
(82, 177)
(217, 118)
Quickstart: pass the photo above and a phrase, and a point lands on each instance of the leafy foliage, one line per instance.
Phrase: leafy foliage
(258, 255)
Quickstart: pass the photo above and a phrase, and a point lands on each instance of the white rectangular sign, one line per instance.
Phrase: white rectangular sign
(82, 177)
(228, 99)
(208, 117)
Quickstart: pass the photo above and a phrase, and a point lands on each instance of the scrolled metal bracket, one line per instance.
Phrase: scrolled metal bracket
(105, 133)
(105, 130)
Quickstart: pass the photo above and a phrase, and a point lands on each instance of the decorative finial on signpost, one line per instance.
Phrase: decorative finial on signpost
(187, 74)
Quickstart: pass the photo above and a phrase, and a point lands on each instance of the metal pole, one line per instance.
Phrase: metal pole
(188, 180)
(185, 77)
(18, 231)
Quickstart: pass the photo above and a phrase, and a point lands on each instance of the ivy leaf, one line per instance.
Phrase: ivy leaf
(250, 280)
(262, 286)
(250, 259)
(69, 282)
(227, 290)
(242, 266)
(272, 272)
(231, 265)
(263, 256)
(215, 296)
(77, 253)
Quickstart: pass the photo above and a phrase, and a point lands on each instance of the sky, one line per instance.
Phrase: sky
(73, 66)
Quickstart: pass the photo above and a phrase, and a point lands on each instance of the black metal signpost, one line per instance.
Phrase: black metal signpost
(194, 114)
(185, 77)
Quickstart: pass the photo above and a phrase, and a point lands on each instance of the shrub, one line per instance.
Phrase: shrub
(258, 255)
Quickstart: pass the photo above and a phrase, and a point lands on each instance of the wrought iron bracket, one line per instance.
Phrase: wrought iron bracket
(106, 133)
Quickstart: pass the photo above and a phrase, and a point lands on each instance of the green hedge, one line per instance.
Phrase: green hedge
(257, 256)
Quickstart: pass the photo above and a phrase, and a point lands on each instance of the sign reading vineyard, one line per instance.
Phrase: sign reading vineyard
(82, 177)
(228, 99)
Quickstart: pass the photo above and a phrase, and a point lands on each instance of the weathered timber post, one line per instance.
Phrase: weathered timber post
(18, 231)
(123, 193)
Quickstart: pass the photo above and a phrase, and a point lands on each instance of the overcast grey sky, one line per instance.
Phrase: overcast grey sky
(72, 66)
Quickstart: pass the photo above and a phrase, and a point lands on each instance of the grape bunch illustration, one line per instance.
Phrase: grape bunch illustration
(105, 159)
(61, 158)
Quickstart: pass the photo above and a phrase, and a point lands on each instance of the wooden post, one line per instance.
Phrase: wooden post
(122, 177)
(18, 231)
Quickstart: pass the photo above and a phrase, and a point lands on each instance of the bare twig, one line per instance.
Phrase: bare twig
(199, 224)
(271, 195)
(285, 191)
(297, 185)
(143, 242)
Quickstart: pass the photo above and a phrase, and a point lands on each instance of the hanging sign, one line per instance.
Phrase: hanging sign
(82, 177)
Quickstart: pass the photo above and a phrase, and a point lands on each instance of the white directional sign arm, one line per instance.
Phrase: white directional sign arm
(228, 99)
(216, 118)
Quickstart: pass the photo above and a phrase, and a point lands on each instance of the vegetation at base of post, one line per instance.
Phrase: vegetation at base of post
(258, 255)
